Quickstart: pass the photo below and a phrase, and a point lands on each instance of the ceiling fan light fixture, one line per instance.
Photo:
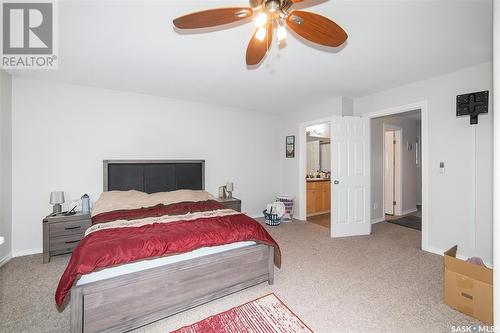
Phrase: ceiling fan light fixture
(272, 6)
(261, 20)
(272, 18)
(281, 33)
(261, 34)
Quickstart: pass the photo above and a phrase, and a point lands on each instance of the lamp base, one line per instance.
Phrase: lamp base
(56, 209)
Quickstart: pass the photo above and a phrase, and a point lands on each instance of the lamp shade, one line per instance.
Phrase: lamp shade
(56, 197)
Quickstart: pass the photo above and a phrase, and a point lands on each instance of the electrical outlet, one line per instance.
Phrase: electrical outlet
(375, 205)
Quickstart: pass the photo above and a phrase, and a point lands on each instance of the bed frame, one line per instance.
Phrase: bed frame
(132, 300)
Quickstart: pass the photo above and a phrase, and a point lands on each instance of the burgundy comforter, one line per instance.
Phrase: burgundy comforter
(124, 243)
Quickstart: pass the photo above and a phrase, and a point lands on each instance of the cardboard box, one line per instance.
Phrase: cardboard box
(468, 288)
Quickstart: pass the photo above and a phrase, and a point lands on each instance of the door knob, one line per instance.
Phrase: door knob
(336, 182)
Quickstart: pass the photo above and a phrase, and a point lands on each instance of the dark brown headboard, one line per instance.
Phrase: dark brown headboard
(153, 176)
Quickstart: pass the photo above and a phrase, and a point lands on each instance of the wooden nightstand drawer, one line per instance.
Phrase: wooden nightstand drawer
(65, 243)
(62, 233)
(68, 228)
(233, 203)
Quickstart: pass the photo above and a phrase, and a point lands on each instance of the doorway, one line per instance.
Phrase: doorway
(350, 218)
(318, 195)
(350, 174)
(396, 174)
(392, 170)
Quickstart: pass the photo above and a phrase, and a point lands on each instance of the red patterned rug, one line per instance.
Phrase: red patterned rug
(267, 314)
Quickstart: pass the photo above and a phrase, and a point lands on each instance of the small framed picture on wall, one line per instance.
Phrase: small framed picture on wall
(290, 146)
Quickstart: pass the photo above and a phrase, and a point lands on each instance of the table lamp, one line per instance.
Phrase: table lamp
(56, 199)
(229, 189)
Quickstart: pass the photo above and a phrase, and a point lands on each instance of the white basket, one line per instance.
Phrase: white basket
(288, 201)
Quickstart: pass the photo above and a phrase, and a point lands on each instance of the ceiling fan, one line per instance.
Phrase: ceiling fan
(269, 16)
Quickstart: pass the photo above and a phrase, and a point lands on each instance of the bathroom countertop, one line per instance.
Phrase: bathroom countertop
(318, 179)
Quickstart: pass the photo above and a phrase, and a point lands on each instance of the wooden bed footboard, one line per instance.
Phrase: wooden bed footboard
(132, 300)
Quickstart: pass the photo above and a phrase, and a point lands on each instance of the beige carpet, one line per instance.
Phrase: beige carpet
(377, 283)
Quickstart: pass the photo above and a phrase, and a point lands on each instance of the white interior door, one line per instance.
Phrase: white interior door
(350, 176)
(389, 172)
(398, 187)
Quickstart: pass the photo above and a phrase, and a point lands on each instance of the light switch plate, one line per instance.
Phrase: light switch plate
(441, 167)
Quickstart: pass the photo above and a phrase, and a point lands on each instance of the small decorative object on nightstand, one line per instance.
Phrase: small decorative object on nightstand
(231, 203)
(85, 204)
(56, 199)
(229, 189)
(61, 234)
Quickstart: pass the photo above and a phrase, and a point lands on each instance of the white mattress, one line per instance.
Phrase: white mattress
(146, 264)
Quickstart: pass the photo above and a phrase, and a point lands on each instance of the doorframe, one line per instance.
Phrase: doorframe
(399, 177)
(424, 113)
(302, 154)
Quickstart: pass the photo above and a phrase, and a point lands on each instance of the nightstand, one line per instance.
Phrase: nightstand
(61, 234)
(233, 203)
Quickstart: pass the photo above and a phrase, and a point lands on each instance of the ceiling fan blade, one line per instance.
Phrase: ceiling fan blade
(316, 28)
(256, 50)
(212, 17)
(255, 3)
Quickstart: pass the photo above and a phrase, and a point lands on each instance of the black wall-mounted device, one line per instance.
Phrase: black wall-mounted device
(472, 105)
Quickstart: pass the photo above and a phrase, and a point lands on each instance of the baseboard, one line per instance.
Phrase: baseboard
(300, 217)
(5, 259)
(319, 213)
(441, 252)
(378, 220)
(409, 211)
(434, 250)
(26, 252)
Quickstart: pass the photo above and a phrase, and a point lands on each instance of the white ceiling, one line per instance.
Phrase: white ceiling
(132, 46)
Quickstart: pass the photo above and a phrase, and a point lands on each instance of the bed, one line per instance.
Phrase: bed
(132, 294)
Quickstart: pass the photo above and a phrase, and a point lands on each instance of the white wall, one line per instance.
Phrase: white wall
(419, 166)
(289, 167)
(408, 167)
(496, 129)
(5, 164)
(452, 203)
(347, 106)
(61, 134)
